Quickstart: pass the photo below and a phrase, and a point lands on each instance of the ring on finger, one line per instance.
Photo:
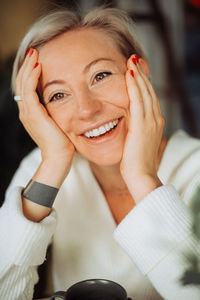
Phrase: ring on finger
(17, 98)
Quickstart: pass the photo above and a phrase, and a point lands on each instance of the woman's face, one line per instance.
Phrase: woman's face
(84, 90)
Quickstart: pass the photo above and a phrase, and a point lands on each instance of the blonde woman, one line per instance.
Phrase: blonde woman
(82, 88)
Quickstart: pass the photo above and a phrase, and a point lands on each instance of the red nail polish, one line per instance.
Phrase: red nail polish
(31, 51)
(134, 61)
(36, 65)
(28, 50)
(136, 58)
(131, 72)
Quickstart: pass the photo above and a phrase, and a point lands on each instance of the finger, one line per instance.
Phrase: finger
(30, 105)
(142, 86)
(23, 64)
(31, 98)
(158, 116)
(29, 67)
(136, 103)
(31, 82)
(29, 79)
(20, 106)
(30, 60)
(155, 100)
(18, 84)
(21, 70)
(23, 84)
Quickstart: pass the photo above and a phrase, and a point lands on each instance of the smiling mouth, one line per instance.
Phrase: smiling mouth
(102, 130)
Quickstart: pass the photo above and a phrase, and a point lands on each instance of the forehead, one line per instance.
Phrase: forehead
(90, 42)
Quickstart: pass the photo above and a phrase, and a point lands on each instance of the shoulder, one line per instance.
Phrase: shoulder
(181, 159)
(27, 168)
(183, 143)
(185, 149)
(34, 157)
(181, 147)
(31, 161)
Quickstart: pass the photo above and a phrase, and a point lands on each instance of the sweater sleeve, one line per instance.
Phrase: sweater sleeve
(156, 235)
(23, 243)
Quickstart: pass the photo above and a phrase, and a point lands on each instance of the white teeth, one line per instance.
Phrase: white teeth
(101, 129)
(95, 132)
(111, 124)
(87, 134)
(107, 127)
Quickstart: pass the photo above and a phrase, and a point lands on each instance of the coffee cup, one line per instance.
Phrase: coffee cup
(93, 289)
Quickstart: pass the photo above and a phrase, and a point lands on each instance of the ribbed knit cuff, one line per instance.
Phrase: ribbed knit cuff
(154, 227)
(23, 241)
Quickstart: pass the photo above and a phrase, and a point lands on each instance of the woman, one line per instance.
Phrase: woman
(84, 97)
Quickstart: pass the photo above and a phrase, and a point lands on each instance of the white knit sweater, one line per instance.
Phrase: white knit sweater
(144, 253)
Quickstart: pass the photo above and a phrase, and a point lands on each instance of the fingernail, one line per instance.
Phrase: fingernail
(131, 72)
(28, 50)
(136, 58)
(36, 65)
(31, 51)
(133, 60)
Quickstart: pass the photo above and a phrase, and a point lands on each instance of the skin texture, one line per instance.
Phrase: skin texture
(89, 103)
(121, 163)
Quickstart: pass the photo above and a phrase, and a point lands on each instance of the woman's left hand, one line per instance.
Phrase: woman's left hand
(139, 164)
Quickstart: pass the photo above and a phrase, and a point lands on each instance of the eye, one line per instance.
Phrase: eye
(57, 97)
(101, 76)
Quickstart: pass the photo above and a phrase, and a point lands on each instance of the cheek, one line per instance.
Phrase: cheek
(117, 93)
(63, 118)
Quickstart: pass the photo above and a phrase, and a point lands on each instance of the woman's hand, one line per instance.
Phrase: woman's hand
(53, 143)
(139, 163)
(56, 148)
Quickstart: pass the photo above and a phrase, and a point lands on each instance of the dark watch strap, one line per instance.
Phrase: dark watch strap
(40, 193)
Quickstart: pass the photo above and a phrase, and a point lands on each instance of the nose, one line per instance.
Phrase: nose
(88, 104)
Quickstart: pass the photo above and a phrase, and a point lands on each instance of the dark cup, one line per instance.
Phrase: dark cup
(93, 289)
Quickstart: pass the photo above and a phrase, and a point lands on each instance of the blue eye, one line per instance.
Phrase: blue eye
(57, 97)
(101, 76)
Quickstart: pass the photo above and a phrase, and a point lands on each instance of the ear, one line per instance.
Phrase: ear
(144, 66)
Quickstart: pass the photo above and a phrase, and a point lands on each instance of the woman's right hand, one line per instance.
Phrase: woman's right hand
(56, 149)
(51, 140)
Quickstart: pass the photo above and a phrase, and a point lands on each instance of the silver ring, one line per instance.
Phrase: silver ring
(17, 98)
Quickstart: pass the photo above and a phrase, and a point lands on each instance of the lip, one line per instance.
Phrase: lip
(106, 138)
(97, 125)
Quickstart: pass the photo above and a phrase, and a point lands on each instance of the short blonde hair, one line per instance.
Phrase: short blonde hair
(115, 22)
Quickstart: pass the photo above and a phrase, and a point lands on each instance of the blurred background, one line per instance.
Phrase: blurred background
(170, 34)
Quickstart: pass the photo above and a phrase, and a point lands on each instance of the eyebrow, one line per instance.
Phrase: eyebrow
(86, 69)
(95, 62)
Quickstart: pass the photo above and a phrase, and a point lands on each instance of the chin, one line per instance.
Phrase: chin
(106, 159)
(107, 149)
